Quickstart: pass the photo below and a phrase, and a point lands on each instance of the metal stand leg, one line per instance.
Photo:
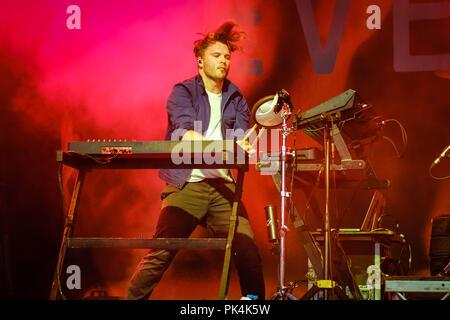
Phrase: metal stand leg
(68, 230)
(327, 285)
(327, 260)
(234, 215)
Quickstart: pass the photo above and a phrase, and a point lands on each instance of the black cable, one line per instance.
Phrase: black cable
(410, 255)
(433, 176)
(291, 200)
(336, 208)
(99, 160)
(404, 137)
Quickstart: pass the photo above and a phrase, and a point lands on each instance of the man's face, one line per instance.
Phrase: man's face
(216, 61)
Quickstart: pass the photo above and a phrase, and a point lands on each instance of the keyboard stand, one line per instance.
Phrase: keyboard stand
(84, 164)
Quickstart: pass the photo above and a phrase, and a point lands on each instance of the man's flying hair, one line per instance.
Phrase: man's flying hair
(226, 33)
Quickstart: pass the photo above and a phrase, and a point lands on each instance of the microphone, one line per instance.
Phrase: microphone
(441, 156)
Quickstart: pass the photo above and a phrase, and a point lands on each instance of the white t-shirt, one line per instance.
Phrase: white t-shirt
(214, 132)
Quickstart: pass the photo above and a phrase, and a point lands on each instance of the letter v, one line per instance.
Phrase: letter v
(323, 60)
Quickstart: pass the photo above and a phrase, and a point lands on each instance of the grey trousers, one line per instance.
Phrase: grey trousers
(208, 203)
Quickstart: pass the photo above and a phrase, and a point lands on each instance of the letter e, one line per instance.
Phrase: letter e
(404, 13)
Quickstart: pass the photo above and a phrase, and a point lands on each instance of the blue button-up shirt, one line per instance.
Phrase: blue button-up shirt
(188, 103)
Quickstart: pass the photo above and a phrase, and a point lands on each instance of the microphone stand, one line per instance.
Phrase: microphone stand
(282, 293)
